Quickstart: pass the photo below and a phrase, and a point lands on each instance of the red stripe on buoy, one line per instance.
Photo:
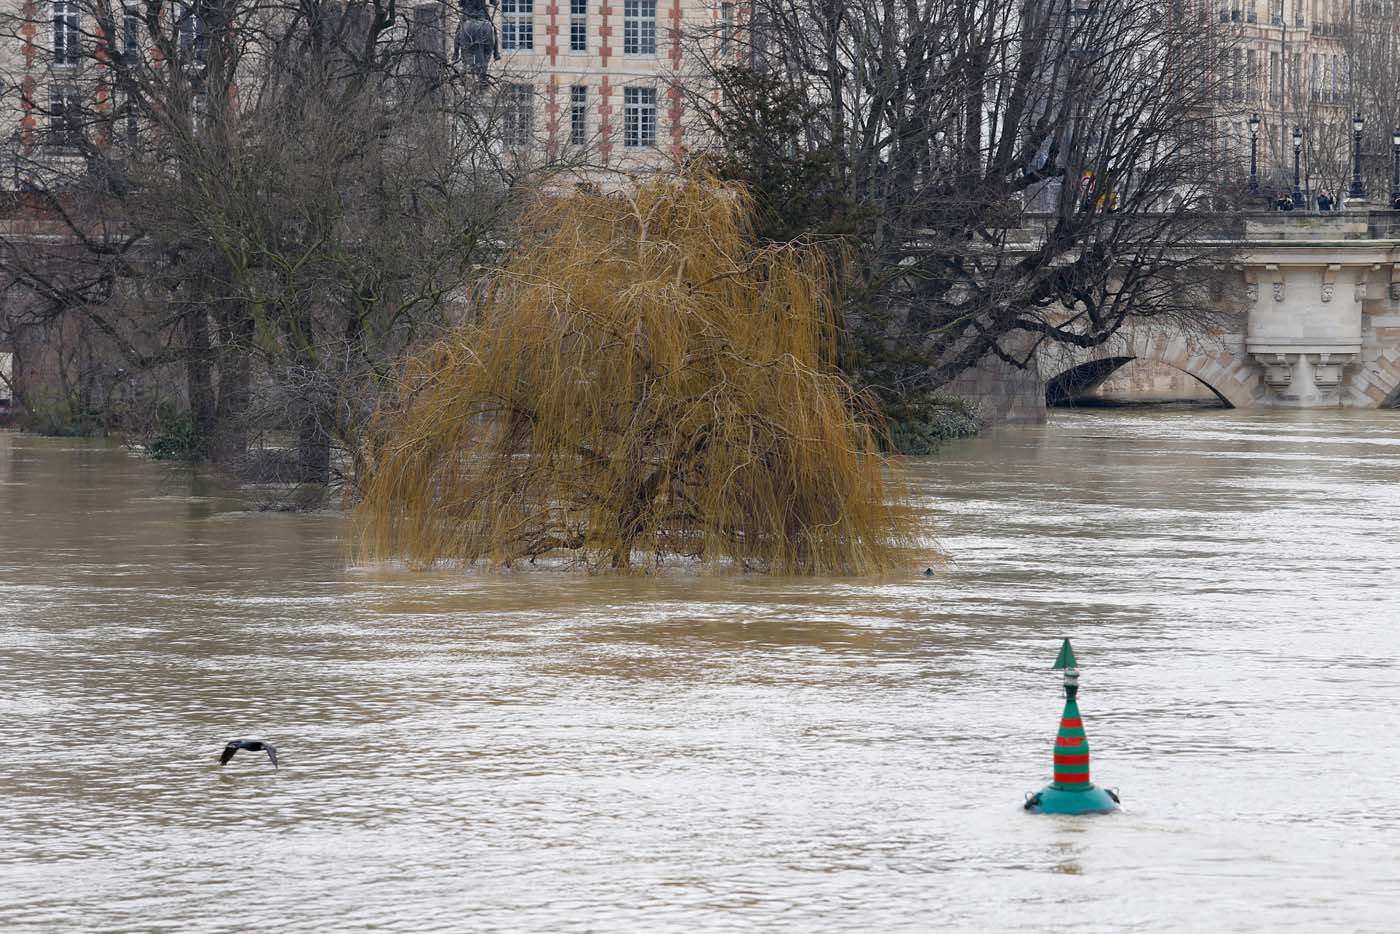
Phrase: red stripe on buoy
(1072, 721)
(1072, 760)
(1072, 779)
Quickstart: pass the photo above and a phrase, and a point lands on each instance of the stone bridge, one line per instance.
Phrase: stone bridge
(1321, 326)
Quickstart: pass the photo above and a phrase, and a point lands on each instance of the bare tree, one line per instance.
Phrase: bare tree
(1000, 173)
(1373, 43)
(278, 197)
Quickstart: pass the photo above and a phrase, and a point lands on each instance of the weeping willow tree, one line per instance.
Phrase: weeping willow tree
(642, 383)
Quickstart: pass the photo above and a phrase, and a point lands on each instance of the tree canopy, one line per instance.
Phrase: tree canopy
(1007, 173)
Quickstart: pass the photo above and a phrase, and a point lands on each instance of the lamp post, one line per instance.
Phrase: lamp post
(1358, 191)
(1254, 154)
(1298, 201)
(1395, 183)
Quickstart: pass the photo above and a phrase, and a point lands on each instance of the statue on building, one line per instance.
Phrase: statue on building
(476, 41)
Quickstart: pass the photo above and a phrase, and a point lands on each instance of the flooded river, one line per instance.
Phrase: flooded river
(545, 751)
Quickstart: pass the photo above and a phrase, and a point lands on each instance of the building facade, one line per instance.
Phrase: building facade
(597, 82)
(1303, 65)
(605, 78)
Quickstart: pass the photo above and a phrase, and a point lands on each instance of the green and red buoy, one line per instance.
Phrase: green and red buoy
(1071, 792)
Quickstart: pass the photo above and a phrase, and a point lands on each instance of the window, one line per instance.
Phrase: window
(578, 115)
(129, 120)
(65, 115)
(726, 31)
(517, 118)
(639, 27)
(518, 24)
(639, 118)
(194, 40)
(66, 47)
(578, 25)
(130, 27)
(428, 34)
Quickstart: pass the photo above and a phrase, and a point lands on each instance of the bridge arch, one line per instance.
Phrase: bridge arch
(1222, 369)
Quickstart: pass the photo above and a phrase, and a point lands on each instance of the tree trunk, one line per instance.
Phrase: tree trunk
(229, 443)
(199, 378)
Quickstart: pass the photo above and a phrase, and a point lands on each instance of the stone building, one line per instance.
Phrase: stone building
(597, 80)
(1291, 64)
(602, 77)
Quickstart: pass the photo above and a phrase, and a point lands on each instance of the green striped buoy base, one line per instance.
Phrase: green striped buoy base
(1090, 799)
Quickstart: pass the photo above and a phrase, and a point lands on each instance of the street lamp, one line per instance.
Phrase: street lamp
(1297, 151)
(1254, 154)
(1357, 190)
(1395, 184)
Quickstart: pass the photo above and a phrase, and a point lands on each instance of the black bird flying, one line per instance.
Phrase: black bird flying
(252, 745)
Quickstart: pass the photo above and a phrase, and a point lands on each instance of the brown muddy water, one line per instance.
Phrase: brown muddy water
(546, 751)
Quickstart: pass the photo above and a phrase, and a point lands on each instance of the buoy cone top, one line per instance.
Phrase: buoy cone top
(1066, 658)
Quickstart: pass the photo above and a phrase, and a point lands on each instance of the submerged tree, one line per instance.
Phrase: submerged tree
(642, 383)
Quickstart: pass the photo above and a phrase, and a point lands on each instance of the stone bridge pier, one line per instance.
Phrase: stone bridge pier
(1320, 326)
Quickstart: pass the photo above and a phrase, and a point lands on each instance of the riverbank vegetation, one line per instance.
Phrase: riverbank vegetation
(226, 253)
(643, 382)
(234, 246)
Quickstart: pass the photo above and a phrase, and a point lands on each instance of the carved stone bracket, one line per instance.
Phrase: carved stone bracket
(1329, 280)
(1307, 376)
(1395, 282)
(1273, 271)
(1251, 283)
(1363, 279)
(1278, 369)
(1327, 371)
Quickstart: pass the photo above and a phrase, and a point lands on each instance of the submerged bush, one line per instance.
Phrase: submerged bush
(922, 422)
(176, 436)
(57, 416)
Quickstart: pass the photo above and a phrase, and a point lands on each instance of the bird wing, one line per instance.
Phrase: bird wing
(271, 753)
(229, 750)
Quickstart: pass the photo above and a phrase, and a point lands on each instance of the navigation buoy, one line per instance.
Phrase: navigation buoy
(1071, 792)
